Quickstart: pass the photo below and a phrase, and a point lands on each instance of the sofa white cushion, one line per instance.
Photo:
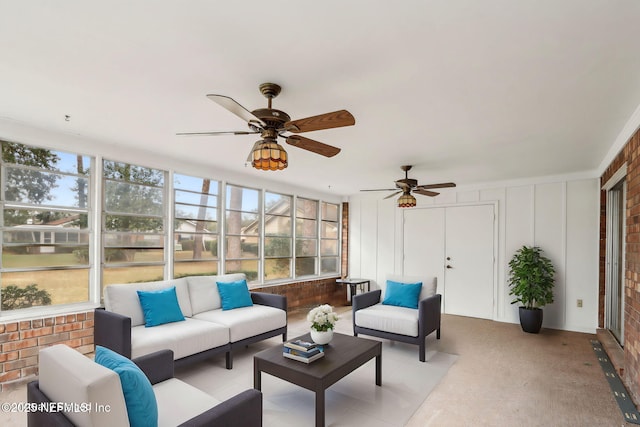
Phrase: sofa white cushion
(203, 291)
(123, 299)
(67, 376)
(246, 322)
(389, 318)
(429, 284)
(184, 338)
(179, 402)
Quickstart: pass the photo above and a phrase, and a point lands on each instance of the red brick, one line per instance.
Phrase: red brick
(81, 333)
(17, 345)
(36, 332)
(53, 338)
(67, 327)
(28, 371)
(10, 375)
(9, 336)
(28, 352)
(25, 324)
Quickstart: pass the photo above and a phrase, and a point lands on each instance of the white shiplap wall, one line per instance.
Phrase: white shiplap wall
(559, 215)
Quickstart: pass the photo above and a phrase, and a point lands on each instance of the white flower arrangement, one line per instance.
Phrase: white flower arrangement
(322, 318)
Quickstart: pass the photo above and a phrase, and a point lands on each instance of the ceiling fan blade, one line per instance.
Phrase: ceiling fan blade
(313, 146)
(234, 107)
(425, 192)
(441, 185)
(214, 133)
(393, 194)
(382, 189)
(332, 120)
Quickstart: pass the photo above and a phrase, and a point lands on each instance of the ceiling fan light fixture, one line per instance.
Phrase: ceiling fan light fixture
(406, 201)
(269, 155)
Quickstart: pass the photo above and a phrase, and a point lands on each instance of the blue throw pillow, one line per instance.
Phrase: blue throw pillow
(160, 307)
(402, 294)
(139, 398)
(234, 294)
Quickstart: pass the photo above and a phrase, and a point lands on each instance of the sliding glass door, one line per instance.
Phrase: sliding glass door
(614, 310)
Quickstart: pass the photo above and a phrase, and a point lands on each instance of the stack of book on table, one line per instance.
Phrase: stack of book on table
(302, 351)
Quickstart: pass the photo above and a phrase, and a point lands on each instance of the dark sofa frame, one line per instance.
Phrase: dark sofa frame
(243, 409)
(429, 313)
(113, 331)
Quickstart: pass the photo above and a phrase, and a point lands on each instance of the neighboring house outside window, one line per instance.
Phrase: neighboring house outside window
(242, 236)
(133, 219)
(195, 233)
(278, 236)
(46, 234)
(329, 239)
(306, 237)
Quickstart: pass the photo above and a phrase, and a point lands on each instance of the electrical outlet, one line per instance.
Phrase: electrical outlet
(580, 303)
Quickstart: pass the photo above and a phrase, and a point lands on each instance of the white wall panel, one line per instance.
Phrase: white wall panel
(355, 238)
(369, 238)
(386, 239)
(583, 218)
(518, 219)
(560, 216)
(468, 196)
(550, 210)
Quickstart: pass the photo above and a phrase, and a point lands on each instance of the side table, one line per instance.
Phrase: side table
(354, 283)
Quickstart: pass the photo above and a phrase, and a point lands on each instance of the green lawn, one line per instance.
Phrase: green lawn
(70, 286)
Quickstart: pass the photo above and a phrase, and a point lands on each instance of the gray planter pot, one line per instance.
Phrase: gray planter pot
(531, 319)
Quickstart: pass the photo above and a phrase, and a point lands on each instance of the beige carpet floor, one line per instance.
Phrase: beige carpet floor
(505, 377)
(502, 377)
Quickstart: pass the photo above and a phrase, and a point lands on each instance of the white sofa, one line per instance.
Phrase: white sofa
(372, 317)
(92, 395)
(207, 329)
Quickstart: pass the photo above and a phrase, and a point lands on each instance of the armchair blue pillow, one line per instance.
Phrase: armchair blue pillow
(402, 294)
(234, 294)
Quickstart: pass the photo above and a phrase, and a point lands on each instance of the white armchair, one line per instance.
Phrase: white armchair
(375, 316)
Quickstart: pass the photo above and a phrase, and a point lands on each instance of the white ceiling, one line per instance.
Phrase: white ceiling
(466, 90)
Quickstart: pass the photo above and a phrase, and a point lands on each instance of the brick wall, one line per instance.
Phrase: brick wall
(631, 156)
(21, 341)
(304, 295)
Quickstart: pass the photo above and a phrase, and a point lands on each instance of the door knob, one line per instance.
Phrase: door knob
(448, 266)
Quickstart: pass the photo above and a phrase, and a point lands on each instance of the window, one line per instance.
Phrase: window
(306, 237)
(278, 236)
(242, 232)
(329, 239)
(133, 219)
(48, 210)
(45, 228)
(195, 234)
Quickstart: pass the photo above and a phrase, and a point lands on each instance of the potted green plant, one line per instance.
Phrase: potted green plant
(531, 279)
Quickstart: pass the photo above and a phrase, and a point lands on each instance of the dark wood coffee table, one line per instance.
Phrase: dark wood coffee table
(342, 356)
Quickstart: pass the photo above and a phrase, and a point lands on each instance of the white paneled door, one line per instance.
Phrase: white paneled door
(457, 245)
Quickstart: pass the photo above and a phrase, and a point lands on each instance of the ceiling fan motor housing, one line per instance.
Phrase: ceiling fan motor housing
(272, 118)
(411, 183)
